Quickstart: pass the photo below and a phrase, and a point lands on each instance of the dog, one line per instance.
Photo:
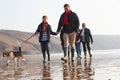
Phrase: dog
(17, 56)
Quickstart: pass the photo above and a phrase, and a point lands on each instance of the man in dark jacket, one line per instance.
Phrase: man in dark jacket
(70, 23)
(86, 38)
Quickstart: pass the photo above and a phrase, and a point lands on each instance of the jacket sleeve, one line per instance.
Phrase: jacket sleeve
(90, 36)
(60, 24)
(51, 32)
(77, 23)
(38, 29)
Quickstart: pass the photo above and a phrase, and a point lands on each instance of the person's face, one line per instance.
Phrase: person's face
(83, 25)
(45, 19)
(67, 8)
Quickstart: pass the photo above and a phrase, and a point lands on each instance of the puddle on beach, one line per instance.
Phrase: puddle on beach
(35, 69)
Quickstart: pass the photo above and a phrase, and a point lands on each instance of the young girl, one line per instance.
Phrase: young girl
(44, 30)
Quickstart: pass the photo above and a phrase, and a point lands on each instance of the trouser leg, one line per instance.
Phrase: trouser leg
(65, 48)
(84, 48)
(89, 49)
(48, 53)
(72, 37)
(43, 50)
(47, 49)
(78, 49)
(44, 54)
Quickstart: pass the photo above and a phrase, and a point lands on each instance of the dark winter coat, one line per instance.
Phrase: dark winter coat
(73, 23)
(49, 31)
(88, 36)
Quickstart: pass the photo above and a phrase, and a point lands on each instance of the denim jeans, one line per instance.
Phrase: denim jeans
(78, 48)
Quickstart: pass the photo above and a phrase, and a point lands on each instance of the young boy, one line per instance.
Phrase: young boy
(44, 30)
(78, 44)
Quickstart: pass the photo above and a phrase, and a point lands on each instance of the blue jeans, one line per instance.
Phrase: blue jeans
(78, 48)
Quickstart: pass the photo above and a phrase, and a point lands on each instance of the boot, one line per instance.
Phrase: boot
(68, 55)
(90, 53)
(69, 52)
(63, 53)
(72, 54)
(65, 50)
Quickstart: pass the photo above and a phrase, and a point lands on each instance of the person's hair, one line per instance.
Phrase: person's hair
(44, 16)
(66, 5)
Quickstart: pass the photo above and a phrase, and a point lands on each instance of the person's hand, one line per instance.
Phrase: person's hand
(77, 41)
(57, 33)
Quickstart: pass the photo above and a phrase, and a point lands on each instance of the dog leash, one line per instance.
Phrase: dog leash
(29, 38)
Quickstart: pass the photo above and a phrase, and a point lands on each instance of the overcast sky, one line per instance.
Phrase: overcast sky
(101, 16)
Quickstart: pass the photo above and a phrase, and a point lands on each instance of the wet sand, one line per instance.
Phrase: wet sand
(104, 65)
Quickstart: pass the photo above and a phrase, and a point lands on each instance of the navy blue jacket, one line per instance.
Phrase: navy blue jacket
(49, 31)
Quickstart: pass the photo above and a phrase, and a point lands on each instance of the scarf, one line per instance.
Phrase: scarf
(65, 22)
(45, 24)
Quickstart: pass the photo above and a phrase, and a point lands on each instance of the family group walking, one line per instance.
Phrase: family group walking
(70, 34)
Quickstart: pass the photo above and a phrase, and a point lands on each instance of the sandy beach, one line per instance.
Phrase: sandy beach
(104, 65)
